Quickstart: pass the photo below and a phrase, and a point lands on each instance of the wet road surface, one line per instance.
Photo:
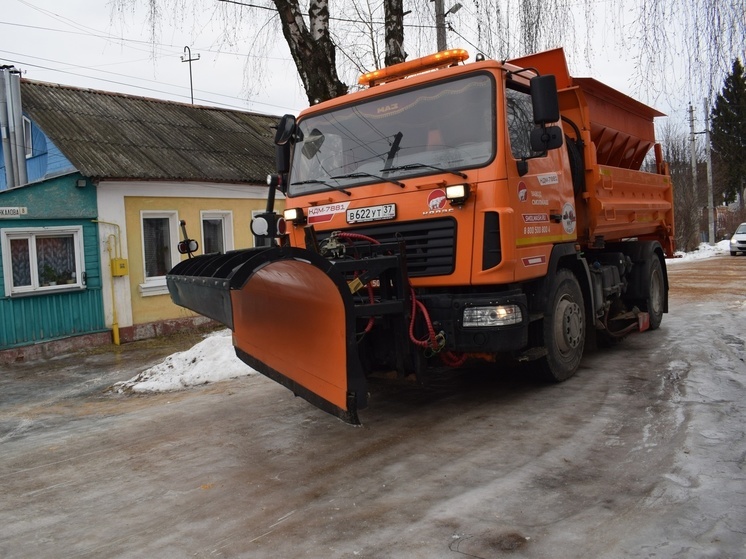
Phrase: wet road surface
(641, 454)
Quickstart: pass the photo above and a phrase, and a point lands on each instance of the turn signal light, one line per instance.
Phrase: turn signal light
(418, 65)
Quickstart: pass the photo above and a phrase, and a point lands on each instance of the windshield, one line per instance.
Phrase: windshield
(442, 127)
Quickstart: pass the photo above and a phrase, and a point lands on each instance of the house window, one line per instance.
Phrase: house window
(42, 259)
(216, 231)
(27, 138)
(159, 237)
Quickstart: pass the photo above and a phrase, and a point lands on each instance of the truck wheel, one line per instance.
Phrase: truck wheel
(654, 303)
(563, 327)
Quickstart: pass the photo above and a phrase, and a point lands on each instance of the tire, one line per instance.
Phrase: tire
(563, 328)
(733, 252)
(654, 304)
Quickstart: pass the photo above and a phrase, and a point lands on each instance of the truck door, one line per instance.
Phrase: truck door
(540, 189)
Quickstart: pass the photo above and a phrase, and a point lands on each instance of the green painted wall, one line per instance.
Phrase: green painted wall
(56, 198)
(47, 316)
(34, 319)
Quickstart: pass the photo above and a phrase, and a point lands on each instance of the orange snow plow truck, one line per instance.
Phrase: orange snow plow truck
(446, 213)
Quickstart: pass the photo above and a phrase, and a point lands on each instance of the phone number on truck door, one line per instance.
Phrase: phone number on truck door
(535, 229)
(371, 213)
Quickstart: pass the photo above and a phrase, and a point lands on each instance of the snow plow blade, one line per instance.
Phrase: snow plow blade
(292, 317)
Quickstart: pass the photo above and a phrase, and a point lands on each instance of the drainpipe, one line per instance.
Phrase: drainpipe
(17, 114)
(10, 180)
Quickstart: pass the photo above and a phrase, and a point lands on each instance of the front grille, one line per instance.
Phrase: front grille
(430, 244)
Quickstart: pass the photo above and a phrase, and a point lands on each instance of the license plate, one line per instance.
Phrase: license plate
(371, 213)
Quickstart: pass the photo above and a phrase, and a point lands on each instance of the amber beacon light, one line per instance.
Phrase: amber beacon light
(397, 71)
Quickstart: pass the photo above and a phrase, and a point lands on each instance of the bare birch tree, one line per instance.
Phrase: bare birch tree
(330, 41)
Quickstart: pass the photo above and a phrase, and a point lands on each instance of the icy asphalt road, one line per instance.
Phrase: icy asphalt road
(642, 454)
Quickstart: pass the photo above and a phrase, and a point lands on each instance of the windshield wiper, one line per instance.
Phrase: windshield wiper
(316, 181)
(411, 166)
(361, 174)
(392, 151)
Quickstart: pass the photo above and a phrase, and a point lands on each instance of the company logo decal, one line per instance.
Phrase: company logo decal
(569, 218)
(436, 203)
(436, 200)
(387, 108)
(522, 191)
(324, 214)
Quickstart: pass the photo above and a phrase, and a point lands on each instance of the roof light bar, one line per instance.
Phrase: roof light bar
(418, 65)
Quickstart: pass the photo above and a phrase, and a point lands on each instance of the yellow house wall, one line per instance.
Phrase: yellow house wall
(159, 307)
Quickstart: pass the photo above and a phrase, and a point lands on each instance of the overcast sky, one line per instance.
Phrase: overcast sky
(80, 43)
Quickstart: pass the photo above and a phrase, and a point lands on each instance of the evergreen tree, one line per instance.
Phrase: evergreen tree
(729, 132)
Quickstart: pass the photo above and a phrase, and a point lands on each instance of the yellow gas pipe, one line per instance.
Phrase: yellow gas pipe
(114, 319)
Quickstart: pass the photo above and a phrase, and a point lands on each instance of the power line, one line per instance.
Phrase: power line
(143, 88)
(123, 40)
(331, 18)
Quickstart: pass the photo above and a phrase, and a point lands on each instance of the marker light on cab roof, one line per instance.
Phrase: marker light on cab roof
(438, 60)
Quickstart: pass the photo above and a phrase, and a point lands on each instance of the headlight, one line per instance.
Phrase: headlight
(295, 216)
(457, 194)
(498, 315)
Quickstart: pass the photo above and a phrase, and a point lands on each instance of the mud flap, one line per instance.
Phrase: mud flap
(292, 317)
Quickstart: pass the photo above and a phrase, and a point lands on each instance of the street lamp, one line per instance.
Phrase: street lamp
(440, 22)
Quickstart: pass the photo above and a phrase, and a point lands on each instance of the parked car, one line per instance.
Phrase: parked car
(738, 240)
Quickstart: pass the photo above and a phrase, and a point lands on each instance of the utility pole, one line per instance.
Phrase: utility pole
(693, 147)
(440, 25)
(710, 194)
(440, 21)
(187, 57)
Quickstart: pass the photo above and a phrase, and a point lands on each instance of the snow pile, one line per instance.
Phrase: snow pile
(704, 250)
(211, 360)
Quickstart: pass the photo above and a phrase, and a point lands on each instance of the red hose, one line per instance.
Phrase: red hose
(450, 358)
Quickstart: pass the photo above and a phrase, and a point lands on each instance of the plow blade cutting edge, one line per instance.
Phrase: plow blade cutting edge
(292, 317)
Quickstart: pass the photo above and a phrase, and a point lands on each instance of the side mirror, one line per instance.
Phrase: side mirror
(282, 158)
(285, 130)
(544, 99)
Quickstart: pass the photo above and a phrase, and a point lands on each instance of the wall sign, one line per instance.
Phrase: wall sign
(10, 213)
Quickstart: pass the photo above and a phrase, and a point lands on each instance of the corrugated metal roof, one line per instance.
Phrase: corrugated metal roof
(114, 136)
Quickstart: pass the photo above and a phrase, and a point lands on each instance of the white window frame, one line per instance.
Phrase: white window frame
(31, 233)
(28, 141)
(227, 218)
(156, 285)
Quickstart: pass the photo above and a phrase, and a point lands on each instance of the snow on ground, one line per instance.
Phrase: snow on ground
(211, 360)
(703, 251)
(214, 359)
